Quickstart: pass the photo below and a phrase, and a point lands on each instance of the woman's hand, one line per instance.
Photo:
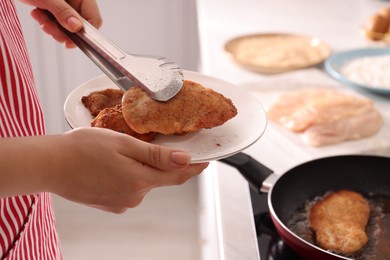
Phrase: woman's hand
(68, 13)
(92, 166)
(113, 171)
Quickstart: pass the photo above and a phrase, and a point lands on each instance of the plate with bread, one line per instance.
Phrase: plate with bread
(377, 27)
(271, 53)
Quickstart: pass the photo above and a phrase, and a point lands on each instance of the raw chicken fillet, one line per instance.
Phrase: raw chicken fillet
(325, 116)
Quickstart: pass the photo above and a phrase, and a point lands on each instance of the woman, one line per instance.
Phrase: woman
(95, 167)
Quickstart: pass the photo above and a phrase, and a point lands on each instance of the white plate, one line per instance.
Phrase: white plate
(204, 145)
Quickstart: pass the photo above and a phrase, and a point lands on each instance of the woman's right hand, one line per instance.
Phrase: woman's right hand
(68, 14)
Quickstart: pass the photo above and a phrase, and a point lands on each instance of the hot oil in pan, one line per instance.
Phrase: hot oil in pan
(378, 228)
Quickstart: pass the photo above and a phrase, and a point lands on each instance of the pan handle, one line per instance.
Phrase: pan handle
(252, 170)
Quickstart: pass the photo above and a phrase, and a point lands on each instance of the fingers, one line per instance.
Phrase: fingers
(178, 177)
(155, 156)
(50, 27)
(68, 14)
(166, 166)
(89, 10)
(183, 176)
(116, 210)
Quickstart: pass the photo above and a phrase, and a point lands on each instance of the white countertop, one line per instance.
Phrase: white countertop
(335, 21)
(226, 216)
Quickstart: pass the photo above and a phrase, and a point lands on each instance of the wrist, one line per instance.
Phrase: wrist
(28, 164)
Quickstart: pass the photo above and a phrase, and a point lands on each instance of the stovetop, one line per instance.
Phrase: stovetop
(271, 246)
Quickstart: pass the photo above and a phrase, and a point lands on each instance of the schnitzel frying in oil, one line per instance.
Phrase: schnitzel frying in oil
(339, 221)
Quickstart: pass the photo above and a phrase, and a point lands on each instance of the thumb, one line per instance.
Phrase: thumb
(156, 156)
(65, 15)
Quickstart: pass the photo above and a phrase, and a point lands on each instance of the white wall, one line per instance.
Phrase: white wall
(166, 28)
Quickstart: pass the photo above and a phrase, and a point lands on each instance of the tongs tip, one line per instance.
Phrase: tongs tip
(164, 93)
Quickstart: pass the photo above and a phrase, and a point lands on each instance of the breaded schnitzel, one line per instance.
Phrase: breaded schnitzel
(99, 100)
(193, 108)
(339, 221)
(112, 118)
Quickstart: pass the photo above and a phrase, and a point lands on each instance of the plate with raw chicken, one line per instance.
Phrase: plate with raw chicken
(234, 118)
(323, 116)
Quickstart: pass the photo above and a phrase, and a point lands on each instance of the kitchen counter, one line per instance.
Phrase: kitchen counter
(227, 228)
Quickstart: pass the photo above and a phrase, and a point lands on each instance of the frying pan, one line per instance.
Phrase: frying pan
(360, 173)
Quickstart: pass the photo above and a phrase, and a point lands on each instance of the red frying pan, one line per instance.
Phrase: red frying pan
(361, 173)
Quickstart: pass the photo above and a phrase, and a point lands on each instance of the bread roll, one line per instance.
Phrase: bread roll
(376, 26)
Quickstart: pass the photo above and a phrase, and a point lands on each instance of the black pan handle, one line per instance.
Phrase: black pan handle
(252, 170)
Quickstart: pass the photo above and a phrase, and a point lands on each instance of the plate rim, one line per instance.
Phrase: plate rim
(342, 57)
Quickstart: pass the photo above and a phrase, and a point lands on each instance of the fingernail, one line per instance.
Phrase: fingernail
(180, 158)
(70, 45)
(74, 23)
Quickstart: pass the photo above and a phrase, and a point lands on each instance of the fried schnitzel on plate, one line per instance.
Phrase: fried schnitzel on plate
(204, 145)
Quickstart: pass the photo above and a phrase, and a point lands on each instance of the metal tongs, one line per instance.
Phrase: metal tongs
(161, 79)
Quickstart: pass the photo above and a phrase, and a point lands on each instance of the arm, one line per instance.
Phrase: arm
(67, 13)
(92, 166)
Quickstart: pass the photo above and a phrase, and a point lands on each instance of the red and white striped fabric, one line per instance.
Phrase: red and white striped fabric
(27, 225)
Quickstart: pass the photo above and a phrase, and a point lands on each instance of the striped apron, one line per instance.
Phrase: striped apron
(27, 225)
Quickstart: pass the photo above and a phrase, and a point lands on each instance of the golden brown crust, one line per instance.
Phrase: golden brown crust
(98, 100)
(193, 108)
(112, 118)
(339, 221)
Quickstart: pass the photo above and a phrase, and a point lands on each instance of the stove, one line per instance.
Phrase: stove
(234, 219)
(271, 246)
